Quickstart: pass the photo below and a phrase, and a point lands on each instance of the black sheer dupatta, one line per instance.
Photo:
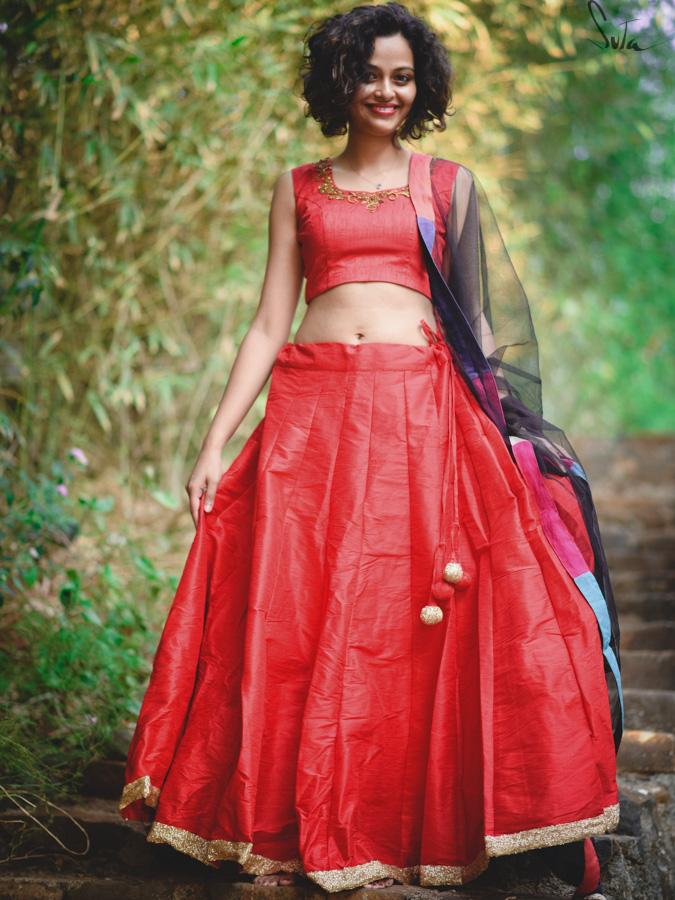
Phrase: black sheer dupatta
(478, 271)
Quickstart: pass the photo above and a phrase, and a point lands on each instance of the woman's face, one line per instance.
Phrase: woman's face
(384, 98)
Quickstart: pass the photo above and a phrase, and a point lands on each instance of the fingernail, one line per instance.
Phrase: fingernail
(208, 507)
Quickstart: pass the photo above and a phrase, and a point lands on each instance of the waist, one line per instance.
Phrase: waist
(336, 356)
(364, 312)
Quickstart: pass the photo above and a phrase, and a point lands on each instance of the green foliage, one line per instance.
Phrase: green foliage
(76, 633)
(603, 170)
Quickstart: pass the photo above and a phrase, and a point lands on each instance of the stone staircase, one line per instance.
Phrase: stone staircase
(633, 484)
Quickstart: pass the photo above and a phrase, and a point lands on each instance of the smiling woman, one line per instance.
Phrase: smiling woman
(378, 89)
(392, 653)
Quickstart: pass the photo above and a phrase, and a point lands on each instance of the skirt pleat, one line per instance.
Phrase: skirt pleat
(301, 715)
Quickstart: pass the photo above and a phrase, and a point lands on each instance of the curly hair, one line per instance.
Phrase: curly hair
(337, 50)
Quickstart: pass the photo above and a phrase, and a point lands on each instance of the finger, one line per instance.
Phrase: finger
(210, 496)
(195, 496)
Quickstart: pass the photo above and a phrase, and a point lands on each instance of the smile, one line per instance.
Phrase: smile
(383, 110)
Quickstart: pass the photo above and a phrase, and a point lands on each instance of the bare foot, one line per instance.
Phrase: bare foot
(280, 877)
(379, 882)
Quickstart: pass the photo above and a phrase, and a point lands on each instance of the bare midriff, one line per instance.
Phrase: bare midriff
(360, 312)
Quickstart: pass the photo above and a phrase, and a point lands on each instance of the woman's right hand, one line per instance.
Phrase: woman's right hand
(204, 478)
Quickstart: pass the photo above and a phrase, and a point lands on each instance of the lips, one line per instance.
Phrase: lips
(383, 110)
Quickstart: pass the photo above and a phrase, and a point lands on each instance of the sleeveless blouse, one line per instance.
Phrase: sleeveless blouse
(349, 235)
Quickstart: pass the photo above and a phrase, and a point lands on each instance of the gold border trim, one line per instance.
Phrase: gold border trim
(140, 789)
(210, 852)
(551, 835)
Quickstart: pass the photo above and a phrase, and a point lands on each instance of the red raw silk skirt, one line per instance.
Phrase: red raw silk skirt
(300, 715)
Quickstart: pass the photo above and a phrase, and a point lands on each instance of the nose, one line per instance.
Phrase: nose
(384, 90)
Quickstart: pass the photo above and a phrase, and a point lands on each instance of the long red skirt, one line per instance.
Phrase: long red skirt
(300, 715)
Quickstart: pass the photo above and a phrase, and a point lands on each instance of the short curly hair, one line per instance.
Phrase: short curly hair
(337, 50)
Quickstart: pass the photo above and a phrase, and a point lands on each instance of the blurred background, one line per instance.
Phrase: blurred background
(139, 145)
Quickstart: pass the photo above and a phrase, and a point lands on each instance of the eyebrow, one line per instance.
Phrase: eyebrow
(372, 66)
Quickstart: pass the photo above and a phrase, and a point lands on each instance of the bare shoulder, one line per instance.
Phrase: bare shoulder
(283, 192)
(284, 182)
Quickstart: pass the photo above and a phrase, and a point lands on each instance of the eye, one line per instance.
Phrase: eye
(402, 77)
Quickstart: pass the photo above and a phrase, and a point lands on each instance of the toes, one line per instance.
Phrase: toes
(275, 878)
(380, 882)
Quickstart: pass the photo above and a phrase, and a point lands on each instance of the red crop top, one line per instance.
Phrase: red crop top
(355, 235)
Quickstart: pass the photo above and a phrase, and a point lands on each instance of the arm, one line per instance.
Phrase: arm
(267, 333)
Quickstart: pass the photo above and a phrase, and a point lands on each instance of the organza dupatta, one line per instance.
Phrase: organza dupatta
(487, 324)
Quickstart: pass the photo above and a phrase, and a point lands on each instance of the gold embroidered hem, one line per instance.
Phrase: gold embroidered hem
(356, 876)
(551, 835)
(210, 852)
(140, 789)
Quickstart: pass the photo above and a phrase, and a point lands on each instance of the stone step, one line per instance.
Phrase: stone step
(640, 558)
(104, 778)
(651, 669)
(652, 581)
(47, 886)
(645, 607)
(638, 537)
(635, 512)
(659, 635)
(658, 579)
(627, 459)
(649, 710)
(117, 849)
(646, 751)
(620, 533)
(120, 863)
(111, 844)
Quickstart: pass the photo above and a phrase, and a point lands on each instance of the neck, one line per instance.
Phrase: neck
(364, 151)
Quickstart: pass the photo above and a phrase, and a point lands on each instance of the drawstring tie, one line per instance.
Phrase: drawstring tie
(452, 575)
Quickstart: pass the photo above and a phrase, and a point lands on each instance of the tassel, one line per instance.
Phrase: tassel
(455, 575)
(431, 614)
(453, 571)
(441, 590)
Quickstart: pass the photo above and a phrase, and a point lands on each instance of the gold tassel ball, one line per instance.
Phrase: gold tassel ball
(431, 614)
(453, 572)
(455, 575)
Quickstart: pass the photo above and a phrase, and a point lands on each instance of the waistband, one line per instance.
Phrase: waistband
(336, 355)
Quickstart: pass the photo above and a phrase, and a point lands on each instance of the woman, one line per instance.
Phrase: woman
(393, 650)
